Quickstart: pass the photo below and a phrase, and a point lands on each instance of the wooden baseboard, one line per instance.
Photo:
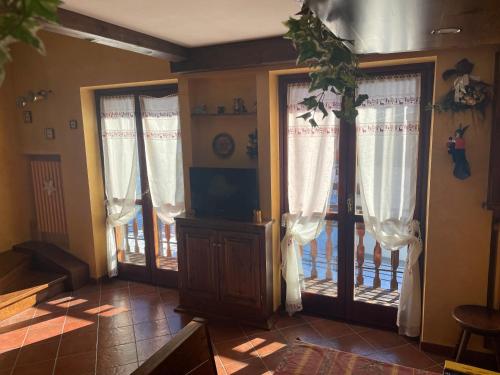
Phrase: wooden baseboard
(472, 357)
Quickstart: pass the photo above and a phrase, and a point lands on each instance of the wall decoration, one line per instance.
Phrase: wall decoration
(27, 117)
(50, 133)
(223, 145)
(252, 145)
(468, 91)
(456, 148)
(32, 97)
(48, 197)
(73, 124)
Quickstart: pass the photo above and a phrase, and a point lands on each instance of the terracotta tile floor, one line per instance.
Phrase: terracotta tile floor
(113, 327)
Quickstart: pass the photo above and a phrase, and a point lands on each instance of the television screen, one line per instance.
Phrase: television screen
(229, 193)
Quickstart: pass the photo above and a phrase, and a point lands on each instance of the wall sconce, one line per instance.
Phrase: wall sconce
(32, 97)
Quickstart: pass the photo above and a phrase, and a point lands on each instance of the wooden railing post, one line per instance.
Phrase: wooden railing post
(314, 254)
(167, 238)
(119, 243)
(377, 261)
(136, 235)
(360, 253)
(394, 266)
(127, 244)
(329, 250)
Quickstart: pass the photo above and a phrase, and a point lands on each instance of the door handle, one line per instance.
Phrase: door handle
(350, 204)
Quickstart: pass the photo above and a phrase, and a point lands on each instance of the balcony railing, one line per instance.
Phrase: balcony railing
(378, 271)
(131, 244)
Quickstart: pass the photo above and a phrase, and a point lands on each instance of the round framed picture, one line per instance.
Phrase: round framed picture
(223, 145)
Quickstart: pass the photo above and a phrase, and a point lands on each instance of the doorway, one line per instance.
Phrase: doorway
(136, 129)
(348, 275)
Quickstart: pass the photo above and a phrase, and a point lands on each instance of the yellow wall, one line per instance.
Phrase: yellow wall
(458, 228)
(69, 65)
(14, 208)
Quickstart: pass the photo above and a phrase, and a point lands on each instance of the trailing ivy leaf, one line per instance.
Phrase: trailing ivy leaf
(19, 22)
(305, 116)
(338, 113)
(310, 102)
(322, 108)
(313, 122)
(360, 99)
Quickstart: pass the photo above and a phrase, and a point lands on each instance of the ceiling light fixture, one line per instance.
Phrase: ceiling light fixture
(446, 30)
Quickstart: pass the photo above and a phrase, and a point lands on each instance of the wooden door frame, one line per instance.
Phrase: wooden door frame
(355, 311)
(149, 273)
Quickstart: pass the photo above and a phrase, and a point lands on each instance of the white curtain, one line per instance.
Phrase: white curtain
(387, 130)
(311, 153)
(119, 142)
(162, 140)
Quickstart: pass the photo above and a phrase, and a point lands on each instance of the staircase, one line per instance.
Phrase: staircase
(35, 271)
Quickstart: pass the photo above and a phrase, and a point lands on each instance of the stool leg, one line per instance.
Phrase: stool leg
(496, 344)
(462, 344)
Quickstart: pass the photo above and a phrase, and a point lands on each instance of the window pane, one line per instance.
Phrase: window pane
(320, 262)
(334, 195)
(378, 272)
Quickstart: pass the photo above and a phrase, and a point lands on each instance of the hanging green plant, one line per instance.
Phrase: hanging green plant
(19, 22)
(334, 66)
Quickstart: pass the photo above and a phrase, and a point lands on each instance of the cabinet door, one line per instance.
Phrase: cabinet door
(197, 262)
(239, 268)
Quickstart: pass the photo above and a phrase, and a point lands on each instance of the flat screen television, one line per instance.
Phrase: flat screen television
(228, 193)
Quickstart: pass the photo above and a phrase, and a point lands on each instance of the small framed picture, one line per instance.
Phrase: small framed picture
(27, 117)
(73, 124)
(50, 133)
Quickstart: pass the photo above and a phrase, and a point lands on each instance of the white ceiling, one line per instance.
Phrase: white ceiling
(193, 23)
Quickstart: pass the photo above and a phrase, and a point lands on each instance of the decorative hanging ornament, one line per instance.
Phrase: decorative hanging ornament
(456, 148)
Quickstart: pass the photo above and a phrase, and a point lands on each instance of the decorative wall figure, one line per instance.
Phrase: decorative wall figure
(456, 148)
(468, 91)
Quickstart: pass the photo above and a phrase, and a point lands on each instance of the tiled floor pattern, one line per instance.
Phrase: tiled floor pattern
(113, 327)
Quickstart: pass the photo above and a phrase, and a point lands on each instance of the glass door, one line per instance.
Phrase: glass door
(147, 135)
(347, 273)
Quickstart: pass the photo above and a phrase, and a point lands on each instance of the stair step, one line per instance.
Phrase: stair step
(51, 258)
(12, 265)
(34, 287)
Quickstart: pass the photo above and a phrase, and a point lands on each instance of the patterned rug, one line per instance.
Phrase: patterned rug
(309, 359)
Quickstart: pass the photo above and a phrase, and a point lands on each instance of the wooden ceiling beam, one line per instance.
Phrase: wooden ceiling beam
(250, 53)
(97, 31)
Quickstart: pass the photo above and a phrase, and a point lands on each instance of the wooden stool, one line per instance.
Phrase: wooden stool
(481, 321)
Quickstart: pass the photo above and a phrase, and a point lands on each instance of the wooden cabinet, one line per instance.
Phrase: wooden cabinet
(225, 269)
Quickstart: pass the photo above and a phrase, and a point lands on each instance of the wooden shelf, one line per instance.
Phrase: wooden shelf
(223, 114)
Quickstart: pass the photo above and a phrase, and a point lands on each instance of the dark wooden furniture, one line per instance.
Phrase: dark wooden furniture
(479, 320)
(189, 352)
(225, 269)
(493, 198)
(493, 201)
